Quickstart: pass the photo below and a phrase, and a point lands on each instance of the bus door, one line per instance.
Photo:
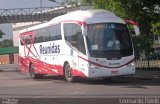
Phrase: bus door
(81, 51)
(74, 39)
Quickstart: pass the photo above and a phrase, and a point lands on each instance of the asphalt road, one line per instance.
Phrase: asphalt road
(16, 84)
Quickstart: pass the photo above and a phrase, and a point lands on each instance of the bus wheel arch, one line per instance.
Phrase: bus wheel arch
(32, 73)
(67, 72)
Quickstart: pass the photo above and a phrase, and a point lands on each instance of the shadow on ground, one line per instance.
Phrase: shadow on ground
(127, 82)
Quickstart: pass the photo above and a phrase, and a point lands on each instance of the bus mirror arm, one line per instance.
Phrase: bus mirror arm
(84, 32)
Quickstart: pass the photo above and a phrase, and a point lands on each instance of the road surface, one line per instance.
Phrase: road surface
(15, 84)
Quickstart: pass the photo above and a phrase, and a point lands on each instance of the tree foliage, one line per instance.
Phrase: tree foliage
(156, 28)
(70, 2)
(145, 12)
(142, 46)
(142, 11)
(1, 34)
(6, 43)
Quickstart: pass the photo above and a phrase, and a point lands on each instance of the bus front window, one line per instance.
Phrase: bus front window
(109, 40)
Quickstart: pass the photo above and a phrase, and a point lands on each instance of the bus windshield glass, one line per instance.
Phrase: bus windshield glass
(109, 40)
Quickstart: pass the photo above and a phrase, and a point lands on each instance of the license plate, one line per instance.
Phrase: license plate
(115, 72)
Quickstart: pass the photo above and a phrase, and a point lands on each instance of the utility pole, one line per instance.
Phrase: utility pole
(65, 7)
(41, 5)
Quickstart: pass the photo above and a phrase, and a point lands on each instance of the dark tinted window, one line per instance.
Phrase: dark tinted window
(41, 35)
(73, 35)
(48, 33)
(109, 40)
(22, 40)
(26, 39)
(44, 34)
(55, 32)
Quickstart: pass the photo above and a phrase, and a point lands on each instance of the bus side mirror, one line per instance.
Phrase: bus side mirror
(136, 29)
(135, 26)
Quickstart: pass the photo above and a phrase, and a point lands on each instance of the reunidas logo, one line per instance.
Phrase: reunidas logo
(52, 48)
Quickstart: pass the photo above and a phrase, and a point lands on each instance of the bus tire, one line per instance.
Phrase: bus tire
(68, 73)
(32, 73)
(107, 79)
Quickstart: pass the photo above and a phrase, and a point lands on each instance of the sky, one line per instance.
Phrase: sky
(7, 30)
(8, 4)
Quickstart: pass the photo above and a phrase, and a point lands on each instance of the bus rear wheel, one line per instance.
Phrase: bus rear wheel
(68, 73)
(32, 72)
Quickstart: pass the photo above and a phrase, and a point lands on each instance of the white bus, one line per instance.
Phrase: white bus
(91, 43)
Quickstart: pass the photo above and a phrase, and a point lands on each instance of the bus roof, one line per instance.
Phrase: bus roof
(87, 16)
(90, 16)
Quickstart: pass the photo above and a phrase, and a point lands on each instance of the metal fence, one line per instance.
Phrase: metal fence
(147, 63)
(147, 51)
(33, 14)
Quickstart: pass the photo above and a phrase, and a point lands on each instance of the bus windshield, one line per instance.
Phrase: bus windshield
(109, 40)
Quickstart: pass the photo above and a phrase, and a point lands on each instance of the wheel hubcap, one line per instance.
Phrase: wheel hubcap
(68, 72)
(32, 71)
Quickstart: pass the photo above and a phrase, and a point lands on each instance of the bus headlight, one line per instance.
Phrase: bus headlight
(91, 66)
(131, 64)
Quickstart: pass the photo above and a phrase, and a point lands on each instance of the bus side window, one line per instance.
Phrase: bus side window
(70, 34)
(27, 39)
(73, 34)
(22, 40)
(80, 42)
(55, 32)
(41, 35)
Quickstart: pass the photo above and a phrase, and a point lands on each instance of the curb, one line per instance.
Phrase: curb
(9, 70)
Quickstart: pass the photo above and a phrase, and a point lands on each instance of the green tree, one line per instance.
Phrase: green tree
(146, 13)
(1, 34)
(156, 28)
(6, 43)
(68, 2)
(142, 11)
(142, 46)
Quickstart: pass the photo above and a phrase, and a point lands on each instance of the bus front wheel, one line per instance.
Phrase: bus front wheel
(107, 79)
(68, 73)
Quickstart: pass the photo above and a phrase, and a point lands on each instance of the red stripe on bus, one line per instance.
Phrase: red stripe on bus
(27, 33)
(45, 68)
(131, 22)
(75, 21)
(94, 63)
(81, 23)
